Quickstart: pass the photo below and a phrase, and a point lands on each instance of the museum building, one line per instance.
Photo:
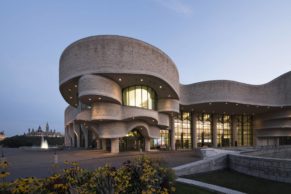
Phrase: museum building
(124, 94)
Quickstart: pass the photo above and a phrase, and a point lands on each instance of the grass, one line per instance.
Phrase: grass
(241, 182)
(185, 188)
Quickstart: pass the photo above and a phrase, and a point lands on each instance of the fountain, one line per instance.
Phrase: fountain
(44, 144)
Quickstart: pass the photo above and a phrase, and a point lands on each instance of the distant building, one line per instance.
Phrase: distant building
(2, 135)
(46, 133)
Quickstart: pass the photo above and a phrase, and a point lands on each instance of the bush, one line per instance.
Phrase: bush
(142, 175)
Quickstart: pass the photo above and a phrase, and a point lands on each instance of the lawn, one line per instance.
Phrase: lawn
(242, 182)
(182, 188)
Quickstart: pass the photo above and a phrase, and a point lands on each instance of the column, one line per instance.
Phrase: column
(72, 134)
(214, 130)
(234, 130)
(172, 132)
(194, 130)
(76, 128)
(254, 132)
(115, 145)
(85, 132)
(103, 142)
(147, 144)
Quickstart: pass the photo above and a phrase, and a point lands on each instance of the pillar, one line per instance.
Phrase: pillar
(76, 129)
(234, 130)
(147, 144)
(115, 145)
(71, 132)
(214, 130)
(194, 131)
(103, 143)
(172, 132)
(85, 132)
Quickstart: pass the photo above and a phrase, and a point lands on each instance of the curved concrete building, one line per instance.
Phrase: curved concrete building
(125, 94)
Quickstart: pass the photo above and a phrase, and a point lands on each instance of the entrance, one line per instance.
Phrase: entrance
(133, 141)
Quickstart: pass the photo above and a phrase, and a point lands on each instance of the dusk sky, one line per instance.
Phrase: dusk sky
(247, 41)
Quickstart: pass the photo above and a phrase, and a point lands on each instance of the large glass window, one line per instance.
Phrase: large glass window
(182, 126)
(139, 96)
(163, 141)
(223, 130)
(204, 134)
(244, 130)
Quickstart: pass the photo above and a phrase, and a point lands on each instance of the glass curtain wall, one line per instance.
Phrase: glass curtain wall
(139, 96)
(223, 130)
(244, 130)
(204, 133)
(163, 142)
(182, 126)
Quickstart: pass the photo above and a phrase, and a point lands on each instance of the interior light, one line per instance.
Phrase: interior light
(69, 90)
(71, 97)
(89, 99)
(141, 80)
(119, 79)
(99, 98)
(76, 86)
(161, 86)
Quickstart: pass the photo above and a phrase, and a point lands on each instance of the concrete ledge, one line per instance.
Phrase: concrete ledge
(207, 186)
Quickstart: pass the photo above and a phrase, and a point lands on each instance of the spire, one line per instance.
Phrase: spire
(47, 128)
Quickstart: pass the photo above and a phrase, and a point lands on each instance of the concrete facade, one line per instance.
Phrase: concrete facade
(94, 72)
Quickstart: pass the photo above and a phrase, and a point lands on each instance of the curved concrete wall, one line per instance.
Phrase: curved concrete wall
(94, 85)
(116, 55)
(274, 93)
(108, 111)
(119, 129)
(168, 105)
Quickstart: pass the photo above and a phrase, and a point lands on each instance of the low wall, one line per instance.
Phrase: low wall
(267, 168)
(209, 164)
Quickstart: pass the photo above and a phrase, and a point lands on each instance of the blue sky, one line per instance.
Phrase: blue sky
(244, 40)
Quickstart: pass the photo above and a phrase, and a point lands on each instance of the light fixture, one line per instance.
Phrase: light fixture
(141, 80)
(161, 87)
(119, 79)
(169, 95)
(209, 103)
(71, 97)
(89, 99)
(99, 98)
(89, 107)
(153, 120)
(76, 86)
(236, 104)
(69, 89)
(225, 102)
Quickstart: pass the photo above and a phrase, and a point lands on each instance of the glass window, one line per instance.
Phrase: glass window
(203, 125)
(223, 130)
(139, 96)
(182, 126)
(244, 130)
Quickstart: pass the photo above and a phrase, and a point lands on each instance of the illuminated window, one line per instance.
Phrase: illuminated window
(244, 130)
(139, 96)
(223, 130)
(182, 126)
(204, 134)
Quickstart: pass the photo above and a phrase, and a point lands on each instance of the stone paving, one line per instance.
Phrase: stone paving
(26, 163)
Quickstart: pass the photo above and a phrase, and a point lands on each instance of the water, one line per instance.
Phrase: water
(44, 144)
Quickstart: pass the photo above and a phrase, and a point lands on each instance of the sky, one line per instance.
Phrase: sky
(244, 40)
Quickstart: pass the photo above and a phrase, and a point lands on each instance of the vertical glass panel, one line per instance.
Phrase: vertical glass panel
(131, 96)
(139, 96)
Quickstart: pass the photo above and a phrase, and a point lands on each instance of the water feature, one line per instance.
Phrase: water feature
(44, 143)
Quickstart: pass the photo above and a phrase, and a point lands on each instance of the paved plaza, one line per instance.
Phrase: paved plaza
(26, 163)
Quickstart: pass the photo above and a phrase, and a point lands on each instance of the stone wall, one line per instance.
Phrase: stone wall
(267, 168)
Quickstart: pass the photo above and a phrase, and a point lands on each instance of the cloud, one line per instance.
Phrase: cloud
(176, 5)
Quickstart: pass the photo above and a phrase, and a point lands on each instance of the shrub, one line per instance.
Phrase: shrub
(143, 175)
